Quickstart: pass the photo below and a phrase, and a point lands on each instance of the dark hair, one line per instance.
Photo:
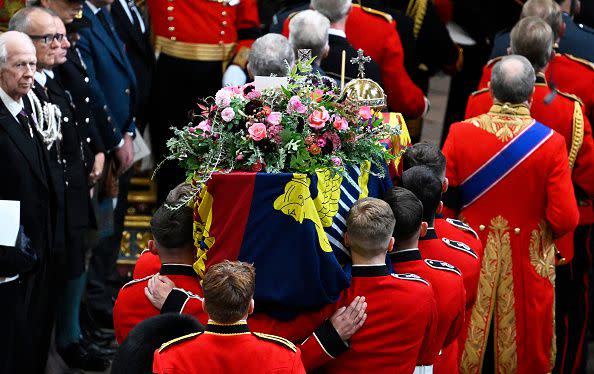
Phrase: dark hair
(426, 154)
(408, 211)
(135, 355)
(173, 228)
(228, 289)
(421, 181)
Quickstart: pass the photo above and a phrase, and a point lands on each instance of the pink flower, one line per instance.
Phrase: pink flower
(340, 123)
(295, 105)
(365, 112)
(321, 142)
(228, 114)
(235, 90)
(274, 118)
(336, 161)
(240, 157)
(204, 126)
(318, 118)
(223, 98)
(257, 131)
(192, 129)
(253, 95)
(274, 133)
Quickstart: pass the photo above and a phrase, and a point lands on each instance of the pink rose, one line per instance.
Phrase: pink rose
(223, 98)
(257, 131)
(204, 126)
(235, 90)
(321, 142)
(295, 105)
(318, 118)
(228, 114)
(274, 118)
(340, 123)
(365, 112)
(336, 161)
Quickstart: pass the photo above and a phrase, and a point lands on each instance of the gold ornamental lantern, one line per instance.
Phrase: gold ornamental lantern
(363, 91)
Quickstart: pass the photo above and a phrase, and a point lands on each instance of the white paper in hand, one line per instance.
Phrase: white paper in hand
(10, 219)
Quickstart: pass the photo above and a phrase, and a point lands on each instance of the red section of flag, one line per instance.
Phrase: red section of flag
(232, 200)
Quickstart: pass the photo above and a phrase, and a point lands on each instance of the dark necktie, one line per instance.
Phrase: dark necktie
(25, 125)
(135, 17)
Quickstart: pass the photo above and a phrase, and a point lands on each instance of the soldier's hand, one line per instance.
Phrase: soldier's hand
(159, 287)
(348, 320)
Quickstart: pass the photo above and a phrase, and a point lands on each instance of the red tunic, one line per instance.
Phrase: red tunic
(401, 322)
(402, 94)
(146, 264)
(450, 297)
(564, 115)
(517, 220)
(203, 30)
(446, 247)
(568, 73)
(228, 349)
(132, 306)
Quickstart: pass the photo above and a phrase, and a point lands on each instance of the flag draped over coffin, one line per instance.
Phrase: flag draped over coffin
(290, 226)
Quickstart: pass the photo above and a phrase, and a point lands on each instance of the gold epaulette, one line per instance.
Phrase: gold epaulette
(492, 61)
(386, 16)
(478, 92)
(570, 96)
(416, 10)
(580, 60)
(177, 340)
(276, 339)
(577, 133)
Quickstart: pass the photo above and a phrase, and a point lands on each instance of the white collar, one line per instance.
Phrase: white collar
(337, 32)
(49, 73)
(14, 107)
(407, 250)
(93, 8)
(363, 265)
(40, 78)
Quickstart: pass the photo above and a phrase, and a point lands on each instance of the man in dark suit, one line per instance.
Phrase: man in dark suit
(132, 30)
(113, 86)
(23, 348)
(338, 42)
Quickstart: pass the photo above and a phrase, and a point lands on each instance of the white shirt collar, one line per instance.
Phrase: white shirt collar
(337, 32)
(93, 8)
(49, 73)
(363, 265)
(408, 250)
(40, 78)
(14, 107)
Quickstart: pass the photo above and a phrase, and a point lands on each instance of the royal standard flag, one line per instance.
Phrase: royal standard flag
(290, 226)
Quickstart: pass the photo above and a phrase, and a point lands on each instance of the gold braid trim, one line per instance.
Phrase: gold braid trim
(480, 319)
(577, 134)
(503, 120)
(416, 10)
(506, 354)
(542, 257)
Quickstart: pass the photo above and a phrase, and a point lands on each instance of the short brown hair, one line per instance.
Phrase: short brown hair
(370, 226)
(228, 289)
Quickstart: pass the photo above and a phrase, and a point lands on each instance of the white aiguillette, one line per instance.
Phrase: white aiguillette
(10, 219)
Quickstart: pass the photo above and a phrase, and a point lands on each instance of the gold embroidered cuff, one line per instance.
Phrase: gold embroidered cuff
(195, 51)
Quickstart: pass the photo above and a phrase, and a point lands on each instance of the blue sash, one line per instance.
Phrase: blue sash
(503, 162)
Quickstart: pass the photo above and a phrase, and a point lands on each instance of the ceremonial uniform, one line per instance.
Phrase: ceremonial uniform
(450, 297)
(401, 303)
(567, 73)
(518, 208)
(195, 41)
(147, 264)
(132, 306)
(228, 349)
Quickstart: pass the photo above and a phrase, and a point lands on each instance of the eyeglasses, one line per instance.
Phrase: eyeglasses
(48, 38)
